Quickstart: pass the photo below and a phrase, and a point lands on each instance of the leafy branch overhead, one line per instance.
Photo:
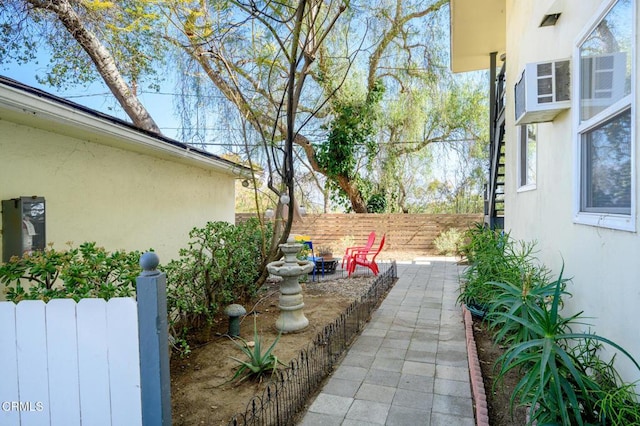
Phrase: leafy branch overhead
(325, 76)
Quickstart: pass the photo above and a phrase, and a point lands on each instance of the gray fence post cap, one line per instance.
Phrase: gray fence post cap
(149, 261)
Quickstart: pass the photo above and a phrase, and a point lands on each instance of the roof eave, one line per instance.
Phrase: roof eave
(478, 28)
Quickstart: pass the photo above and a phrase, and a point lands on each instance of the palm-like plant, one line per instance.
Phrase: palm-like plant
(522, 298)
(555, 383)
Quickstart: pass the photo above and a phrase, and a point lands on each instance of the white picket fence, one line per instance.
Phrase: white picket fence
(66, 363)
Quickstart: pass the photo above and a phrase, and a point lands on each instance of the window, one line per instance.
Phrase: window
(605, 139)
(527, 146)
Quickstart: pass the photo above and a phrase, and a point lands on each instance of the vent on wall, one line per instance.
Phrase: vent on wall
(543, 91)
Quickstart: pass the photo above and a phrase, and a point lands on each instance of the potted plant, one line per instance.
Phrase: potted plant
(325, 252)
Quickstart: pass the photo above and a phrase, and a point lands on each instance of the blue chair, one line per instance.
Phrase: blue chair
(314, 259)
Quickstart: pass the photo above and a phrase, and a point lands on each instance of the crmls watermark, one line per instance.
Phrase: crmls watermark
(22, 406)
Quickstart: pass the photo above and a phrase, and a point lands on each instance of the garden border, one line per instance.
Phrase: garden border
(286, 394)
(475, 373)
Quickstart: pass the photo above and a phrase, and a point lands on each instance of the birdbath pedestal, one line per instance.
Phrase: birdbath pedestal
(291, 304)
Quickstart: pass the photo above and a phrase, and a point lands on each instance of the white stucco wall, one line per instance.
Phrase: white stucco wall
(603, 263)
(120, 199)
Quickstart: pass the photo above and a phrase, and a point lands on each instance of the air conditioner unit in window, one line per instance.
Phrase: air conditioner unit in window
(543, 91)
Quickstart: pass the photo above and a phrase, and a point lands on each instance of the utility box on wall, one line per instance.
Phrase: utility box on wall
(23, 226)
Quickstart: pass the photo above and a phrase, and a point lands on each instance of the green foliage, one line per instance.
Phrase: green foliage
(76, 273)
(377, 203)
(449, 242)
(555, 382)
(523, 297)
(485, 251)
(123, 28)
(258, 364)
(494, 257)
(350, 134)
(220, 266)
(619, 406)
(563, 381)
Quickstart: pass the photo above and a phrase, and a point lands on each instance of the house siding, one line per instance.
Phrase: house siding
(603, 263)
(118, 198)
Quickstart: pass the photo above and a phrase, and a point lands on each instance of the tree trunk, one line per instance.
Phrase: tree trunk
(104, 62)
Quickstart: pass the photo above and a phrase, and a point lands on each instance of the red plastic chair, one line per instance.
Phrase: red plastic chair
(349, 251)
(359, 257)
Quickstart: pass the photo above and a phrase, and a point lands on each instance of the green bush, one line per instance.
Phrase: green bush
(76, 273)
(220, 266)
(486, 251)
(521, 297)
(448, 243)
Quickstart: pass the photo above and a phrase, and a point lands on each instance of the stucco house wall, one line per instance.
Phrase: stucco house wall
(602, 262)
(104, 180)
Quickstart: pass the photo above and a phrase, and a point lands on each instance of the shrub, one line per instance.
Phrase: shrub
(485, 250)
(76, 273)
(520, 297)
(220, 266)
(563, 381)
(448, 243)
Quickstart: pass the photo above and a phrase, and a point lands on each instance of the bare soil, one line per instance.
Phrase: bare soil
(498, 395)
(201, 390)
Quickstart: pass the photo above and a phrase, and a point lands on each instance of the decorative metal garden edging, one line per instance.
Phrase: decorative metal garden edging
(287, 393)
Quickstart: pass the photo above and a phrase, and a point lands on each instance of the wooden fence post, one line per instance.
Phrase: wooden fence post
(155, 383)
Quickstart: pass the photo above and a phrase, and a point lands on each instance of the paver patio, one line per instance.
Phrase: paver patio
(409, 366)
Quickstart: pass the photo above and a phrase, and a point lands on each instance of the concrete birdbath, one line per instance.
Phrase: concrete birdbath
(291, 304)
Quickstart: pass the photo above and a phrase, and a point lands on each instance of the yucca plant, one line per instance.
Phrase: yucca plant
(258, 364)
(555, 383)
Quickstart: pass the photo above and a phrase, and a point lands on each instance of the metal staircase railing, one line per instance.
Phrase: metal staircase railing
(494, 192)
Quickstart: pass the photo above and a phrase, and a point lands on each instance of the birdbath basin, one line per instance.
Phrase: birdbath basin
(291, 303)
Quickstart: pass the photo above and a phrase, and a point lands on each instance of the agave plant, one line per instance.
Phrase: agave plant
(258, 363)
(555, 384)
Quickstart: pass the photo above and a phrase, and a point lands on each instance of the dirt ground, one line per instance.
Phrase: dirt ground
(201, 390)
(498, 397)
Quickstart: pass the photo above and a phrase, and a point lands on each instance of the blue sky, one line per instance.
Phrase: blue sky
(97, 96)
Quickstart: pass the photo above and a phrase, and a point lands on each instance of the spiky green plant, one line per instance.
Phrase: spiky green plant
(555, 383)
(258, 364)
(520, 298)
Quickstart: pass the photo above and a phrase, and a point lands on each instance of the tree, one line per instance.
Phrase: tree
(377, 45)
(389, 49)
(452, 117)
(115, 37)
